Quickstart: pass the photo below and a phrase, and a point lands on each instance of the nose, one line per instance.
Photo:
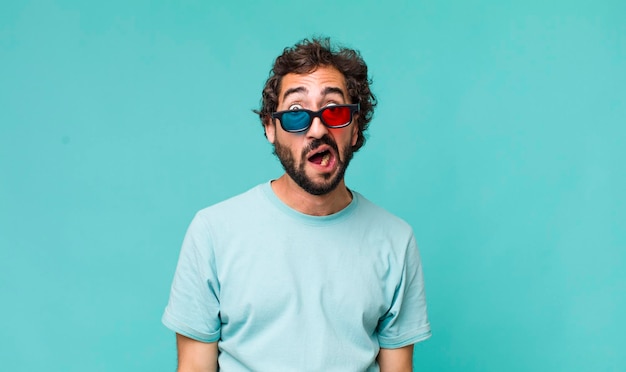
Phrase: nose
(317, 129)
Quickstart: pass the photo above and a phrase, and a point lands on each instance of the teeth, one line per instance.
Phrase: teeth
(325, 160)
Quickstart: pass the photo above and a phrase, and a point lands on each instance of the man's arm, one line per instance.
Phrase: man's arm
(196, 356)
(396, 360)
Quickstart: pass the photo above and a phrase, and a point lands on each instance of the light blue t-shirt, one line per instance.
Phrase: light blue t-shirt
(284, 291)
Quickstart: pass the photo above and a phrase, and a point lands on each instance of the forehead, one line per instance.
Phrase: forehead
(314, 84)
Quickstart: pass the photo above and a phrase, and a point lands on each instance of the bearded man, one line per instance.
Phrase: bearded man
(302, 273)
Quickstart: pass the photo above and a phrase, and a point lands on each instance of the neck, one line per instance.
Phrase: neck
(315, 205)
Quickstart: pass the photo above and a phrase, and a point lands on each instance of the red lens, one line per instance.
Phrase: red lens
(336, 116)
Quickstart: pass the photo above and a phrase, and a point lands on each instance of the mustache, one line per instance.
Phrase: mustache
(317, 142)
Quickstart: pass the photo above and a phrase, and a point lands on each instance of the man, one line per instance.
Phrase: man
(302, 273)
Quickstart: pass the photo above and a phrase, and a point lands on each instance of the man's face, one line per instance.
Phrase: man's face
(317, 158)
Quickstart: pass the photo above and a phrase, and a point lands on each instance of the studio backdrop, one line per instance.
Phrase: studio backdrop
(499, 136)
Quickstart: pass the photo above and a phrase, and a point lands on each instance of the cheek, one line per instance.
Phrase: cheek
(293, 143)
(344, 137)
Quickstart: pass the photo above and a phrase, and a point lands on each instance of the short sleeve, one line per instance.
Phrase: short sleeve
(193, 307)
(406, 321)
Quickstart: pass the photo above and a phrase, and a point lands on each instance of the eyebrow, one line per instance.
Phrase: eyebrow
(325, 92)
(294, 90)
(331, 90)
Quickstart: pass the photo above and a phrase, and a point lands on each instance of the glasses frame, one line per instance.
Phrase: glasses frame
(354, 108)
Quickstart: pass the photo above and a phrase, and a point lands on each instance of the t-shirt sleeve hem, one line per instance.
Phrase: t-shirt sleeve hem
(181, 328)
(421, 334)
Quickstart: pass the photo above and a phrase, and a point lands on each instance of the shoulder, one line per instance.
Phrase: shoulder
(377, 215)
(232, 211)
(237, 204)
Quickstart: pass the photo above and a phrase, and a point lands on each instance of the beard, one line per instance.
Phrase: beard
(297, 171)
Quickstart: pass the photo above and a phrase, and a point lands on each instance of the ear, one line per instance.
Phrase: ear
(355, 129)
(270, 129)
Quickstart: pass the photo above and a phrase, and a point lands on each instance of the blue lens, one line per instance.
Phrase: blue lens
(295, 121)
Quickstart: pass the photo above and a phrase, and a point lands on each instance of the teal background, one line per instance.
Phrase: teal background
(499, 137)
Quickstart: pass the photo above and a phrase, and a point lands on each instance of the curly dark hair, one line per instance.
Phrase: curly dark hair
(305, 57)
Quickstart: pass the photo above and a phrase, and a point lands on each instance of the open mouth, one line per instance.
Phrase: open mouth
(322, 158)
